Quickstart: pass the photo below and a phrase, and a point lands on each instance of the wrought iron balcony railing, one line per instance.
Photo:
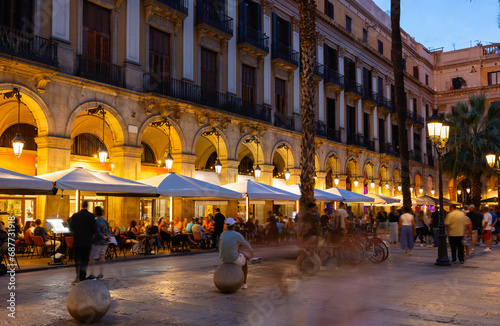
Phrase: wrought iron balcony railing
(370, 95)
(384, 102)
(100, 71)
(190, 92)
(319, 69)
(333, 135)
(320, 128)
(353, 87)
(205, 14)
(253, 37)
(281, 51)
(28, 46)
(180, 5)
(355, 139)
(284, 121)
(333, 76)
(369, 144)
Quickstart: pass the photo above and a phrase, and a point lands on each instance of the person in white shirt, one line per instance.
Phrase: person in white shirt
(487, 218)
(340, 217)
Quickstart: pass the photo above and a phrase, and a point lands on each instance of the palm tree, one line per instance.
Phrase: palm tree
(474, 132)
(307, 21)
(399, 88)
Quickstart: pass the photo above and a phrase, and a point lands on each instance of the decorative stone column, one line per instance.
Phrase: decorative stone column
(53, 154)
(267, 174)
(320, 180)
(229, 171)
(184, 164)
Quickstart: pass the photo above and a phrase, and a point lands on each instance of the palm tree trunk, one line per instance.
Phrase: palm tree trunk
(399, 88)
(307, 19)
(477, 187)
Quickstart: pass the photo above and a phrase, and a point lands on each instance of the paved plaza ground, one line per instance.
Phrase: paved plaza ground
(178, 290)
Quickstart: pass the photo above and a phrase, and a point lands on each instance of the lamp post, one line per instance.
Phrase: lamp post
(439, 133)
(218, 164)
(287, 172)
(337, 180)
(257, 170)
(494, 163)
(103, 153)
(169, 160)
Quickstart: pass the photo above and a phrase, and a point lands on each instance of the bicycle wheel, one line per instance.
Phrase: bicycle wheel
(352, 252)
(384, 245)
(376, 254)
(323, 254)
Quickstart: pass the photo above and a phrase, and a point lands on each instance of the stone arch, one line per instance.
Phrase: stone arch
(329, 160)
(351, 160)
(252, 147)
(36, 105)
(371, 171)
(208, 145)
(292, 160)
(114, 121)
(176, 136)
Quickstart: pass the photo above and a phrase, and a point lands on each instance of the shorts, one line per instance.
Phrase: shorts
(241, 261)
(487, 235)
(474, 234)
(98, 251)
(382, 225)
(466, 241)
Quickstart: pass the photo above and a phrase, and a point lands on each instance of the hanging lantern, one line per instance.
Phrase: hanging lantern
(169, 162)
(356, 182)
(287, 174)
(400, 187)
(218, 167)
(372, 184)
(257, 172)
(336, 180)
(17, 145)
(387, 185)
(103, 154)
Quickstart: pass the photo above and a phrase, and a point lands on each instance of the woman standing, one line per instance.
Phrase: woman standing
(421, 228)
(407, 230)
(393, 225)
(382, 223)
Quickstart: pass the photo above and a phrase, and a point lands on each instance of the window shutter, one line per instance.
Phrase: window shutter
(326, 54)
(275, 28)
(104, 48)
(242, 13)
(335, 55)
(259, 17)
(290, 39)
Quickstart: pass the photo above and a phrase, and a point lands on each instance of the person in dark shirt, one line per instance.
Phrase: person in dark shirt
(218, 226)
(83, 226)
(154, 232)
(477, 224)
(324, 219)
(42, 232)
(435, 224)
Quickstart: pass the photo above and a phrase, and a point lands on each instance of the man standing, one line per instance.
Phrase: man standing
(218, 226)
(230, 243)
(83, 226)
(455, 227)
(99, 243)
(340, 218)
(487, 218)
(477, 225)
(435, 224)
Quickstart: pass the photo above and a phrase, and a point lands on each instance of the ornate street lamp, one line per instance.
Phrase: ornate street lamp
(494, 163)
(17, 142)
(400, 187)
(337, 180)
(287, 172)
(356, 182)
(103, 153)
(439, 133)
(433, 191)
(257, 170)
(169, 160)
(218, 164)
(421, 190)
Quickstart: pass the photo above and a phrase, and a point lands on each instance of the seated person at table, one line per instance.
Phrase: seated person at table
(250, 226)
(229, 245)
(176, 241)
(154, 232)
(198, 228)
(141, 227)
(208, 224)
(177, 223)
(41, 231)
(27, 229)
(184, 224)
(189, 226)
(131, 237)
(18, 228)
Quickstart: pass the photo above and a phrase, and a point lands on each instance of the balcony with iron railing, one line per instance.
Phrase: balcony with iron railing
(319, 69)
(28, 46)
(205, 14)
(387, 148)
(416, 118)
(416, 155)
(353, 89)
(190, 92)
(100, 71)
(253, 37)
(355, 139)
(320, 128)
(333, 79)
(180, 5)
(333, 135)
(384, 102)
(285, 53)
(284, 121)
(369, 144)
(369, 97)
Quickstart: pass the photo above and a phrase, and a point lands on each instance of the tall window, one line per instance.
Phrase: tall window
(380, 46)
(330, 113)
(17, 14)
(86, 145)
(427, 80)
(280, 90)
(29, 132)
(331, 59)
(393, 96)
(415, 107)
(365, 35)
(494, 78)
(366, 126)
(248, 83)
(367, 79)
(415, 72)
(349, 70)
(380, 86)
(147, 156)
(329, 10)
(404, 64)
(381, 132)
(351, 121)
(208, 70)
(159, 53)
(348, 23)
(96, 32)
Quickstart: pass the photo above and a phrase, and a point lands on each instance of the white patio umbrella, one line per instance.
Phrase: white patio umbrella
(349, 196)
(256, 190)
(176, 185)
(17, 183)
(383, 200)
(320, 195)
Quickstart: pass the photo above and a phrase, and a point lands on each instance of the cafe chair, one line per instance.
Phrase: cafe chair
(41, 246)
(29, 246)
(69, 247)
(201, 243)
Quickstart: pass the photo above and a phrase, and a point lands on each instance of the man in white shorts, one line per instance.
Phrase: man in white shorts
(229, 245)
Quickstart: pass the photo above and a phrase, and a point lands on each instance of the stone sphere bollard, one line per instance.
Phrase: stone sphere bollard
(228, 278)
(88, 301)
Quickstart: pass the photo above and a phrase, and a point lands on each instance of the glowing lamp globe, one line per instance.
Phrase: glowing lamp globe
(17, 145)
(169, 161)
(257, 172)
(103, 155)
(490, 158)
(356, 182)
(287, 174)
(336, 180)
(218, 167)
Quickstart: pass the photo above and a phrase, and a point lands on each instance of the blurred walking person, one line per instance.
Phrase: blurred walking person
(407, 230)
(83, 226)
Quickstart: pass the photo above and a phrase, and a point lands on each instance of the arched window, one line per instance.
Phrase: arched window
(147, 156)
(28, 132)
(86, 145)
(211, 162)
(329, 180)
(246, 166)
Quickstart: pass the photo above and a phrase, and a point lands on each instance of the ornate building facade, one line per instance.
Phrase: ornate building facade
(198, 80)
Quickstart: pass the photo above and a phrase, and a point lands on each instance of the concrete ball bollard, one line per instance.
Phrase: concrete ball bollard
(88, 301)
(228, 278)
